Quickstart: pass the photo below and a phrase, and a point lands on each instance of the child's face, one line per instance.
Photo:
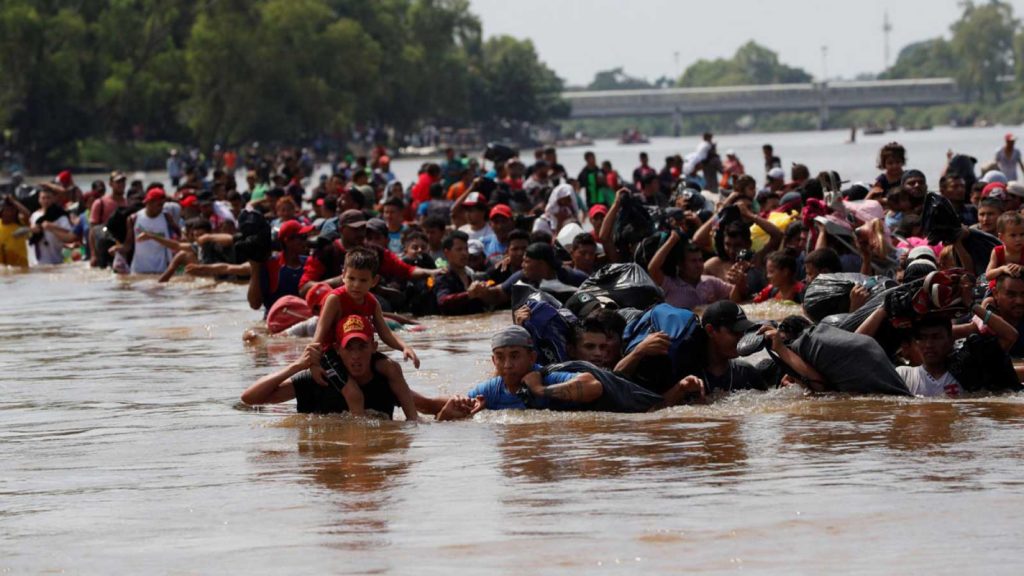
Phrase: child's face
(893, 166)
(415, 247)
(1013, 237)
(358, 283)
(987, 217)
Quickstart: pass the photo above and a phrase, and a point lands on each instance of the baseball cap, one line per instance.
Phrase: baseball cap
(117, 175)
(1009, 137)
(791, 197)
(354, 327)
(994, 176)
(317, 293)
(501, 210)
(383, 160)
(154, 194)
(727, 314)
(378, 226)
(598, 209)
(990, 190)
(474, 199)
(65, 178)
(511, 336)
(352, 218)
(1015, 188)
(292, 228)
(189, 201)
(777, 173)
(475, 247)
(922, 252)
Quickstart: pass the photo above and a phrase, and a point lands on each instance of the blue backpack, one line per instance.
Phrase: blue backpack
(549, 327)
(682, 327)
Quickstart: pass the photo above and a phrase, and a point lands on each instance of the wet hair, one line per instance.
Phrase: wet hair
(825, 260)
(198, 224)
(602, 321)
(945, 180)
(894, 151)
(768, 148)
(932, 321)
(583, 239)
(744, 182)
(450, 239)
(737, 229)
(783, 259)
(1003, 279)
(396, 203)
(518, 234)
(541, 236)
(413, 235)
(794, 230)
(434, 222)
(991, 203)
(792, 327)
(436, 190)
(361, 258)
(588, 154)
(800, 172)
(357, 197)
(1007, 219)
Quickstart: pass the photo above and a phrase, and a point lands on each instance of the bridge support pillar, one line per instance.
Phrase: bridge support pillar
(677, 123)
(823, 115)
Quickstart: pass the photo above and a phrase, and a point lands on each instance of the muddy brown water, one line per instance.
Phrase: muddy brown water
(124, 449)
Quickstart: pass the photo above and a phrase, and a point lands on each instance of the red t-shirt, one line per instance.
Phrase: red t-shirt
(348, 307)
(329, 262)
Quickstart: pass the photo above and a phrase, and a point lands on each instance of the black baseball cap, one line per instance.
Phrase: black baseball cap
(727, 314)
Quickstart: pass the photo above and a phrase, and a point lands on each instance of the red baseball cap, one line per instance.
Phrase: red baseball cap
(189, 201)
(384, 160)
(65, 178)
(1010, 137)
(154, 194)
(353, 327)
(990, 188)
(598, 209)
(501, 210)
(475, 199)
(292, 228)
(317, 293)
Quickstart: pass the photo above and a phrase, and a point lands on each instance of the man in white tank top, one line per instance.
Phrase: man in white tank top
(150, 257)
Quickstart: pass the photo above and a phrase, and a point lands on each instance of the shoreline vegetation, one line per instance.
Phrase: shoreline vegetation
(342, 76)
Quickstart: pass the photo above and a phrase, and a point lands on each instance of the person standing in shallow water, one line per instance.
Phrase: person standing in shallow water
(1008, 157)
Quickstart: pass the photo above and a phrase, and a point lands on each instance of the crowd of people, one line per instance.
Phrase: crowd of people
(625, 291)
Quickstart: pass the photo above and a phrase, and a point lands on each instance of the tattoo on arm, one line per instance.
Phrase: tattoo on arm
(568, 392)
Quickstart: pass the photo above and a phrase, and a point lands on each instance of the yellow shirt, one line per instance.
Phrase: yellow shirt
(13, 249)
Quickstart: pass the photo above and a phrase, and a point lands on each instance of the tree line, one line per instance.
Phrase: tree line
(233, 71)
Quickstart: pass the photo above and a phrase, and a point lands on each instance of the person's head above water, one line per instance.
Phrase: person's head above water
(512, 354)
(725, 323)
(360, 274)
(356, 345)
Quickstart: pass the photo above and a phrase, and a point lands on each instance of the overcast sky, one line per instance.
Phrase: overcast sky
(580, 37)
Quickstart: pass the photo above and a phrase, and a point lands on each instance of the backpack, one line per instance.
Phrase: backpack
(980, 363)
(286, 312)
(549, 327)
(682, 326)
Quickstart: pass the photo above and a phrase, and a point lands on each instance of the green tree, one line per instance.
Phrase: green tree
(277, 70)
(751, 64)
(983, 44)
(616, 79)
(926, 59)
(513, 86)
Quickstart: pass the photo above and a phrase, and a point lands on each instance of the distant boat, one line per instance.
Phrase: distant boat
(634, 137)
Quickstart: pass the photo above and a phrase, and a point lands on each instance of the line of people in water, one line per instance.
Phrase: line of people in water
(603, 273)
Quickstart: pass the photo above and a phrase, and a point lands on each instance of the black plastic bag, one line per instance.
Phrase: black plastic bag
(626, 284)
(829, 294)
(552, 292)
(980, 363)
(549, 326)
(851, 363)
(634, 222)
(620, 394)
(253, 240)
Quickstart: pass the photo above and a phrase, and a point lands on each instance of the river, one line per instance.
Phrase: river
(125, 449)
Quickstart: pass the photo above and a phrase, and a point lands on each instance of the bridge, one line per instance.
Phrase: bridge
(820, 97)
